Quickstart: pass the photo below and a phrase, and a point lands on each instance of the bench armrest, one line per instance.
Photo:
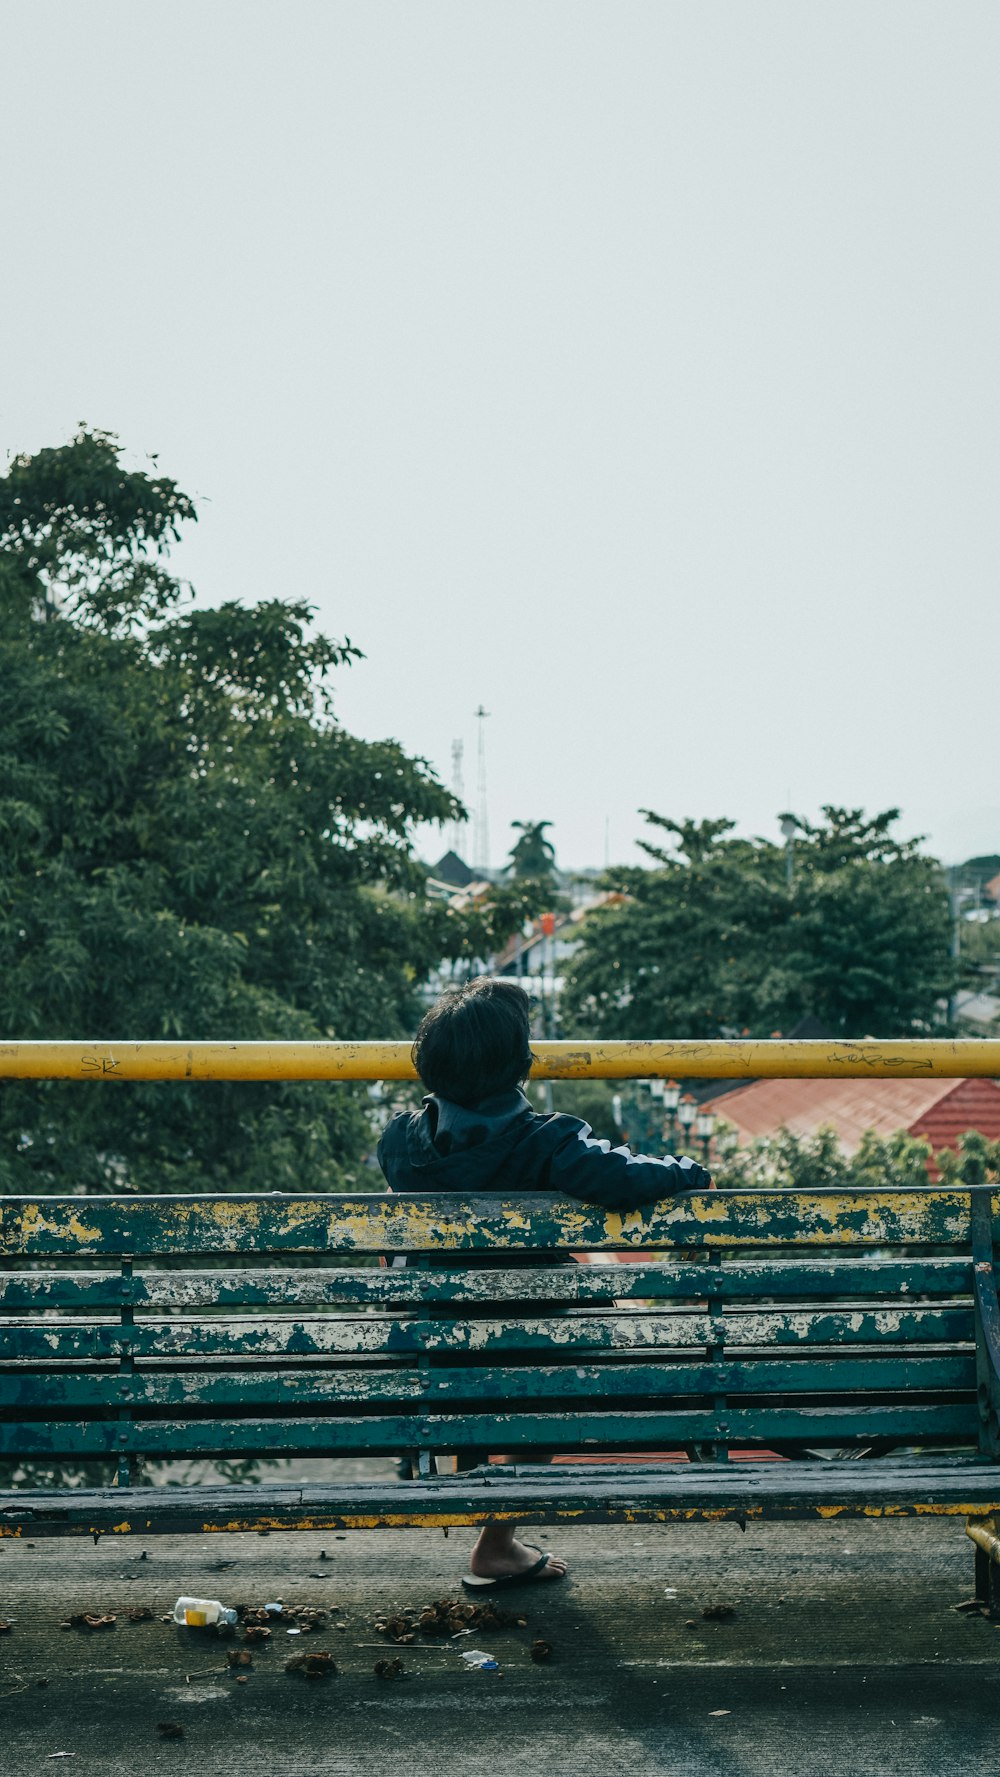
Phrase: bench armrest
(987, 1321)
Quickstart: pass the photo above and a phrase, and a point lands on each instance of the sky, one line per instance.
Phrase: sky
(629, 369)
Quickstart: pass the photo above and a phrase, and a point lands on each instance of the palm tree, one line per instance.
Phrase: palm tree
(532, 854)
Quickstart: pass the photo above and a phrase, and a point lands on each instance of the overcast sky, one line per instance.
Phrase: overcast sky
(630, 368)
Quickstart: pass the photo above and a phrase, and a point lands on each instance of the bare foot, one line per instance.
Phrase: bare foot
(493, 1559)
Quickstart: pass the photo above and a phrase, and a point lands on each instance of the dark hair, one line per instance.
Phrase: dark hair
(476, 1041)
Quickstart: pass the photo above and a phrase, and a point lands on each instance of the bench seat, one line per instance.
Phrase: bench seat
(647, 1493)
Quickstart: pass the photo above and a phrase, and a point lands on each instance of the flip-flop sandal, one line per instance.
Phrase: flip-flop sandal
(500, 1582)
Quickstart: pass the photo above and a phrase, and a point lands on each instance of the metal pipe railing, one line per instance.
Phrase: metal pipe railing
(870, 1059)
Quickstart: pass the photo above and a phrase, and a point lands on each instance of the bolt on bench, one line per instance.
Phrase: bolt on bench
(812, 1325)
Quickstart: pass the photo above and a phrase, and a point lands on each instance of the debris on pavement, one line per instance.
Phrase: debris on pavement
(541, 1651)
(204, 1613)
(296, 1618)
(256, 1632)
(239, 1656)
(447, 1616)
(139, 1613)
(4, 1626)
(170, 1730)
(972, 1607)
(318, 1665)
(89, 1619)
(390, 1668)
(480, 1661)
(719, 1613)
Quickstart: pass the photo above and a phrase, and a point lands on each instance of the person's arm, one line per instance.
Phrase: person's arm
(593, 1171)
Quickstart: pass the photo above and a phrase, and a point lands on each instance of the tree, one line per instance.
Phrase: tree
(532, 855)
(817, 1162)
(190, 845)
(715, 940)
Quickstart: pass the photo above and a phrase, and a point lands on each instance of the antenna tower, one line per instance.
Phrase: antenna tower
(481, 829)
(459, 828)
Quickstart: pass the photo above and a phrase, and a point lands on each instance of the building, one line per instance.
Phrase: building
(451, 872)
(540, 955)
(939, 1111)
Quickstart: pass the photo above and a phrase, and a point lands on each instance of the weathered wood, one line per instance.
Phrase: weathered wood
(805, 1341)
(291, 1390)
(987, 1325)
(952, 1422)
(630, 1494)
(668, 1279)
(309, 1336)
(443, 1224)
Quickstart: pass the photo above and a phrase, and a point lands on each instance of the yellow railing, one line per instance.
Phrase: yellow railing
(872, 1059)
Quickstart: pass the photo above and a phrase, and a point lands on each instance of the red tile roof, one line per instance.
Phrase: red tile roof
(941, 1110)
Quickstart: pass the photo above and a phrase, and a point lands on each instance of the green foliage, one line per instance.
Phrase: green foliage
(714, 940)
(977, 1161)
(190, 846)
(816, 1162)
(979, 949)
(532, 855)
(978, 962)
(975, 873)
(589, 1099)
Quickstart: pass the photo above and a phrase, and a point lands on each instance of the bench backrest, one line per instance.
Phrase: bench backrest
(241, 1326)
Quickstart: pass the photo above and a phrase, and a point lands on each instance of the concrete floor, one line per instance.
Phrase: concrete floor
(844, 1655)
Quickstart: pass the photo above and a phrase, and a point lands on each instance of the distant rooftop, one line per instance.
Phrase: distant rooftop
(453, 870)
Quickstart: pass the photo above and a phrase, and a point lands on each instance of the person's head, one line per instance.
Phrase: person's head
(475, 1042)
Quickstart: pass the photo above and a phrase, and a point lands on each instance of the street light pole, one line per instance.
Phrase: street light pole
(671, 1099)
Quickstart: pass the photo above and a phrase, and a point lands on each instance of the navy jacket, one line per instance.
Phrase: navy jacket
(502, 1146)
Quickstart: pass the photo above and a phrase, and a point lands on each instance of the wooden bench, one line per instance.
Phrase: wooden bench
(803, 1324)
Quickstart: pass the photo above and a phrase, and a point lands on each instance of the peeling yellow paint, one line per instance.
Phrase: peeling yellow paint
(806, 1219)
(908, 1058)
(440, 1518)
(36, 1219)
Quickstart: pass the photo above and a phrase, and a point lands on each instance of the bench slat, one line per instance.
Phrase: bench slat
(22, 1291)
(649, 1492)
(569, 1332)
(293, 1389)
(443, 1223)
(493, 1431)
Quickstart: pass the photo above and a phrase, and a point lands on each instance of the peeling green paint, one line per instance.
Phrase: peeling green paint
(443, 1224)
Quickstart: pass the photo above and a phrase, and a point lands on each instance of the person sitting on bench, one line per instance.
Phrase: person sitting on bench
(477, 1134)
